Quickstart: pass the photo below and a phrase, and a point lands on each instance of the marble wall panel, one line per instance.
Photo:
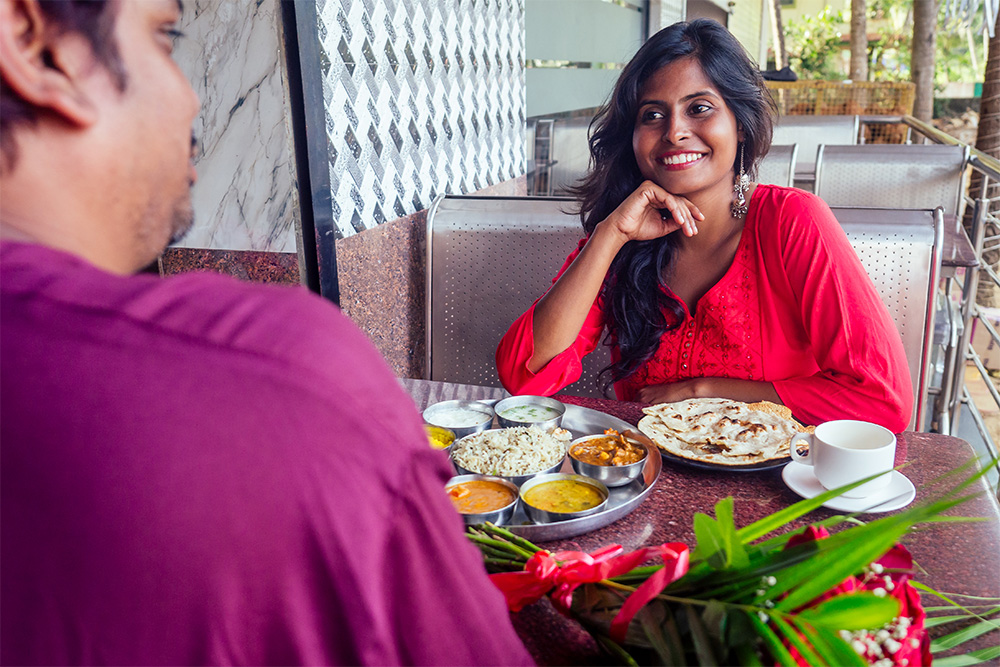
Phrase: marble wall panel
(245, 197)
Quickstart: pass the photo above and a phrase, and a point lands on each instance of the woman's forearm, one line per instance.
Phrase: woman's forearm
(560, 314)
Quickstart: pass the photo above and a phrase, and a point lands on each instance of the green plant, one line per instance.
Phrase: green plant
(745, 598)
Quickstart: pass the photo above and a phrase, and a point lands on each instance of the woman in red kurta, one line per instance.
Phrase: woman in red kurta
(700, 297)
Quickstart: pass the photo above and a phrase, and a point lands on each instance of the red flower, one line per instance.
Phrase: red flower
(903, 641)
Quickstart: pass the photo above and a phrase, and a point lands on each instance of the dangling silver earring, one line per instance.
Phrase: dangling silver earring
(739, 206)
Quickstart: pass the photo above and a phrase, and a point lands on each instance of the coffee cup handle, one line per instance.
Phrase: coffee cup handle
(806, 459)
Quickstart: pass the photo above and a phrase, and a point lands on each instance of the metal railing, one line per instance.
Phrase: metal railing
(984, 232)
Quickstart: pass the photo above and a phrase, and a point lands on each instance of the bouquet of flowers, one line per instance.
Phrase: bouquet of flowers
(815, 598)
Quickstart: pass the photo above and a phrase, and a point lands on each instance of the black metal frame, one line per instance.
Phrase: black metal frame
(311, 146)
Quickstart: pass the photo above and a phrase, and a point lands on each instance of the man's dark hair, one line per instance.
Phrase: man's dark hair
(635, 301)
(94, 20)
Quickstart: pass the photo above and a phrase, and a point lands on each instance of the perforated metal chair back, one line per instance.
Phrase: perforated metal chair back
(892, 175)
(811, 131)
(901, 252)
(778, 166)
(489, 258)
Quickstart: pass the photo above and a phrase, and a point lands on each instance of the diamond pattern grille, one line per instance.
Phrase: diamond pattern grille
(422, 97)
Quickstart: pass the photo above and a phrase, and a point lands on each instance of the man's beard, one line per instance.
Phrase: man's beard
(181, 221)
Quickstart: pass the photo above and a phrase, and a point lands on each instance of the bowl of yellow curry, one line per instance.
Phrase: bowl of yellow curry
(561, 496)
(609, 457)
(481, 498)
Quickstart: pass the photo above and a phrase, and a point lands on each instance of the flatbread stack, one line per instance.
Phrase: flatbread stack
(722, 431)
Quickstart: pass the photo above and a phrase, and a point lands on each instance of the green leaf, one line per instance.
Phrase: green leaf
(709, 541)
(856, 611)
(702, 643)
(736, 553)
(657, 623)
(819, 644)
(714, 617)
(793, 636)
(846, 553)
(781, 518)
(624, 657)
(771, 641)
(970, 658)
(844, 652)
(968, 610)
(961, 636)
(747, 656)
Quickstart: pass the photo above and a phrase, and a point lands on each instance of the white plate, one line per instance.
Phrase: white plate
(899, 493)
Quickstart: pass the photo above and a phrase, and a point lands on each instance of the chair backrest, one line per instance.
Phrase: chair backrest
(778, 166)
(892, 175)
(489, 258)
(901, 252)
(811, 131)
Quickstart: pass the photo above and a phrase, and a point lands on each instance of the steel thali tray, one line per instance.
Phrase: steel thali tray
(621, 501)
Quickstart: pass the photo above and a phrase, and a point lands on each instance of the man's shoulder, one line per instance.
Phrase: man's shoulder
(196, 309)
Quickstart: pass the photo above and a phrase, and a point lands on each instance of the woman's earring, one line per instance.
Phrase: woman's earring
(739, 206)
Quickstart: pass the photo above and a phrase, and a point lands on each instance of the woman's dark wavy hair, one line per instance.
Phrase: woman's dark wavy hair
(635, 304)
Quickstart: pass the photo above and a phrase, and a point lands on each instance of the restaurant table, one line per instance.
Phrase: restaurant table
(955, 557)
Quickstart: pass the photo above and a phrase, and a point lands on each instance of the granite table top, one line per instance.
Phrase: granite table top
(955, 557)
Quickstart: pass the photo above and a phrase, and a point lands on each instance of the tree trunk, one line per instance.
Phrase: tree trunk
(859, 40)
(988, 141)
(922, 57)
(778, 34)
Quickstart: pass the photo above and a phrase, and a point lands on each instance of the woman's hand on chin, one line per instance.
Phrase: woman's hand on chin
(671, 392)
(651, 212)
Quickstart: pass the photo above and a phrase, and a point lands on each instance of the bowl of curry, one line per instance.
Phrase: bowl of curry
(482, 498)
(562, 496)
(608, 457)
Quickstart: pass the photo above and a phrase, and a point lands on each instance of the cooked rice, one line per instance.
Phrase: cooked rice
(510, 451)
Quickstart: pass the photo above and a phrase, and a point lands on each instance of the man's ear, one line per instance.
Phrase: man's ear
(45, 68)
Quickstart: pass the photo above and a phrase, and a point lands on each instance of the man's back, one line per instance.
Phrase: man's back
(198, 470)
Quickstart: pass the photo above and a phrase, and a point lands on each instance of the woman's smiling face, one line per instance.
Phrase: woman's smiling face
(685, 135)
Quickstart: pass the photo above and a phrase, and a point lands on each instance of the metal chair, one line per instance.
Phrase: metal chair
(778, 166)
(489, 258)
(892, 175)
(811, 131)
(901, 252)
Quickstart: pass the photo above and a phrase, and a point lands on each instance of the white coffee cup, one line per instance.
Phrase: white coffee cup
(844, 451)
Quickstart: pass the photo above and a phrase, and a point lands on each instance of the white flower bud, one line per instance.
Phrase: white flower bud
(879, 592)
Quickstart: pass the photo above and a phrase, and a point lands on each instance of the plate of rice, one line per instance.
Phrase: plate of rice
(517, 454)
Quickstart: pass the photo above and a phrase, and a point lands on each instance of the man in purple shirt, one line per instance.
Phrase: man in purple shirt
(192, 470)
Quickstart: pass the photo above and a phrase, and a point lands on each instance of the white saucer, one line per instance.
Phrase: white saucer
(899, 493)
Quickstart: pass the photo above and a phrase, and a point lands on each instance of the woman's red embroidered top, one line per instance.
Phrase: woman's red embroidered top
(796, 308)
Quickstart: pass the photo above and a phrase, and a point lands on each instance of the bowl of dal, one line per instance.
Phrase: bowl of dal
(482, 498)
(562, 496)
(440, 438)
(610, 458)
(460, 417)
(539, 411)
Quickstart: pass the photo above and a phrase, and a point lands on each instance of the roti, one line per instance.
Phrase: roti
(722, 431)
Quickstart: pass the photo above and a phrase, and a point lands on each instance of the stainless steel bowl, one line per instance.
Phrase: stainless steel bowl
(436, 414)
(514, 479)
(496, 517)
(518, 401)
(610, 475)
(539, 515)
